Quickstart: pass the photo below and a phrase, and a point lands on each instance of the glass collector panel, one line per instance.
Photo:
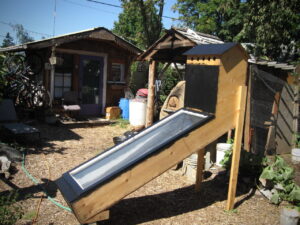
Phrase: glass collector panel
(117, 159)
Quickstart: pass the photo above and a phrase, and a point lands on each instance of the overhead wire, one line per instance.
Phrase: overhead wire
(118, 6)
(31, 31)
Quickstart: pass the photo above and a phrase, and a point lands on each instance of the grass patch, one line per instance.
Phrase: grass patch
(10, 209)
(121, 123)
(29, 215)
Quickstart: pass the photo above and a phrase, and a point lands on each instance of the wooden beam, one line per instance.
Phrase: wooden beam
(237, 147)
(178, 71)
(151, 94)
(175, 44)
(155, 49)
(199, 172)
(161, 73)
(247, 127)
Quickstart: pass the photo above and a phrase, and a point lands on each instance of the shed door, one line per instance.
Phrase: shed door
(91, 85)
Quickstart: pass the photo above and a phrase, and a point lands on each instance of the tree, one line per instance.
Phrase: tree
(273, 26)
(7, 41)
(223, 18)
(140, 22)
(22, 34)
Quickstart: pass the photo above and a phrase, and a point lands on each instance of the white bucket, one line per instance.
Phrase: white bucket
(296, 155)
(289, 216)
(221, 149)
(137, 112)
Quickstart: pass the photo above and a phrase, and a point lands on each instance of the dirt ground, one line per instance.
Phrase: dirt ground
(168, 199)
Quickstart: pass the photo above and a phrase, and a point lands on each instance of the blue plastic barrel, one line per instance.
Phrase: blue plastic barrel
(124, 106)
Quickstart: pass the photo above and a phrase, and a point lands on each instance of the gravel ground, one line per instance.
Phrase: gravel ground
(168, 199)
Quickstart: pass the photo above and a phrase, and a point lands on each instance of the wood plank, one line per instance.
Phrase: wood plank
(175, 44)
(99, 217)
(151, 93)
(247, 127)
(155, 50)
(199, 172)
(284, 123)
(270, 143)
(237, 148)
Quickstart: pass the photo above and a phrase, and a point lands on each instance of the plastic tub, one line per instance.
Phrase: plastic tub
(296, 155)
(137, 112)
(221, 149)
(124, 106)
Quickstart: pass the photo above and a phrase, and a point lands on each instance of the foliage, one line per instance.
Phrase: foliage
(250, 163)
(272, 27)
(223, 18)
(168, 82)
(3, 72)
(22, 34)
(10, 210)
(297, 140)
(7, 41)
(140, 22)
(122, 123)
(281, 176)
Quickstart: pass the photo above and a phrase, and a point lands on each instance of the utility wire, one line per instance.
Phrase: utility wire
(90, 7)
(103, 3)
(118, 6)
(31, 31)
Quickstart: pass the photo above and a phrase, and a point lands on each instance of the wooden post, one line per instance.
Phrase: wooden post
(247, 129)
(52, 74)
(151, 94)
(229, 134)
(200, 166)
(237, 147)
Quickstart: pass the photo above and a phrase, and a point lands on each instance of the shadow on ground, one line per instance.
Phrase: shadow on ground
(164, 205)
(47, 186)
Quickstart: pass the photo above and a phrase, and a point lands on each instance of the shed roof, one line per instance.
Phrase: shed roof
(175, 42)
(198, 37)
(210, 49)
(98, 33)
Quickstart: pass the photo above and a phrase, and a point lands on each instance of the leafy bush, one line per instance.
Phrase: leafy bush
(10, 210)
(250, 164)
(281, 177)
(2, 75)
(168, 82)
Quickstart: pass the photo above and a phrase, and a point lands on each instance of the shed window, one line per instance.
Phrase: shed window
(118, 71)
(63, 75)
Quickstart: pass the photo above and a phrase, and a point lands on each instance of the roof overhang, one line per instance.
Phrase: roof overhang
(174, 43)
(99, 33)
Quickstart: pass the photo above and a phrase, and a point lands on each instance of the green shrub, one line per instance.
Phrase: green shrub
(281, 176)
(10, 210)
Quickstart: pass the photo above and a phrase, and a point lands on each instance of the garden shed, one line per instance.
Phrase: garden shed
(92, 64)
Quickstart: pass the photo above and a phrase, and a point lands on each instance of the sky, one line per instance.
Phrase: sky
(37, 16)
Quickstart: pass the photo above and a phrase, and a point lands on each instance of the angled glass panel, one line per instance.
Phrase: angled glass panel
(122, 156)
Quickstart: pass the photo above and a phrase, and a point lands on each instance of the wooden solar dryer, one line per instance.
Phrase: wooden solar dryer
(214, 103)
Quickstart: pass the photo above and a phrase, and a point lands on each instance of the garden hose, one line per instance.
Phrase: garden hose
(45, 192)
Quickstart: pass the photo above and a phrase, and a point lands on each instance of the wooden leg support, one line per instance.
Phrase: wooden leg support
(236, 148)
(99, 217)
(199, 172)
